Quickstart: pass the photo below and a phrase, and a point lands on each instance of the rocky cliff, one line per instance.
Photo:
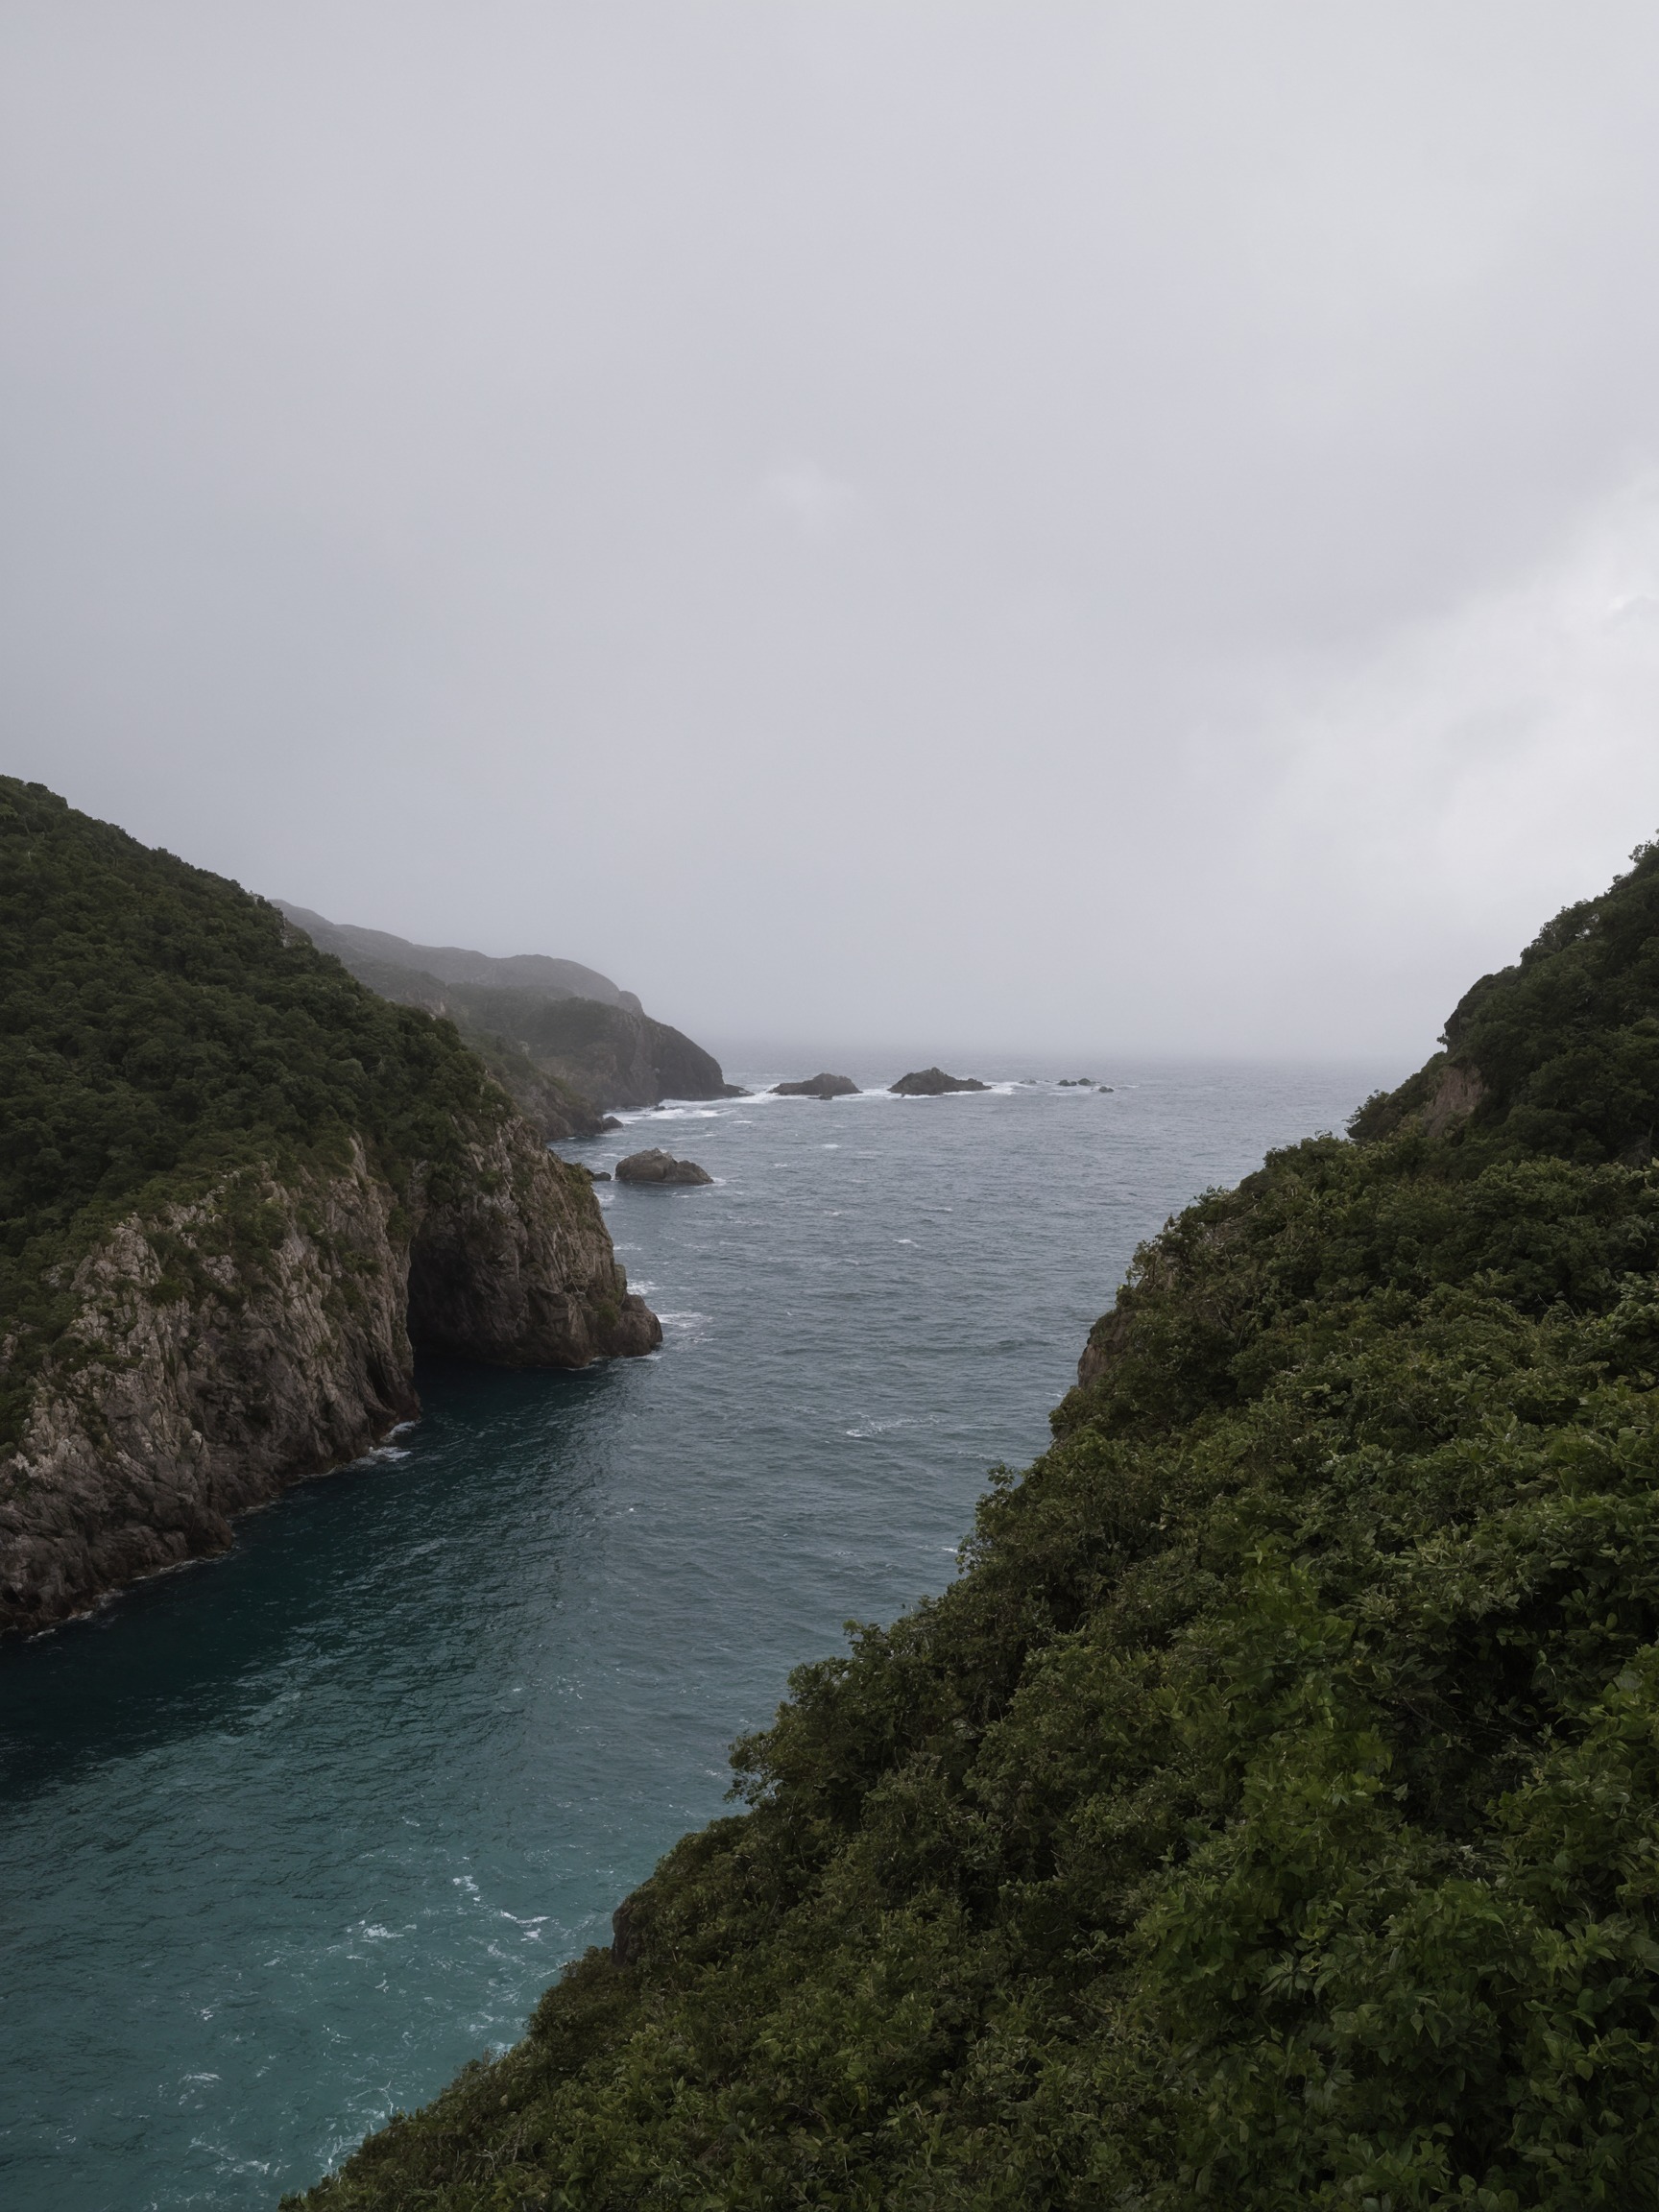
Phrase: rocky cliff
(225, 1346)
(239, 1195)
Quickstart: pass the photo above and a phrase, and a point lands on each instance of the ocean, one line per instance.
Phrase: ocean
(287, 1837)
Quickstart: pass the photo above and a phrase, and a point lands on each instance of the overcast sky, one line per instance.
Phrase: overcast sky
(1044, 525)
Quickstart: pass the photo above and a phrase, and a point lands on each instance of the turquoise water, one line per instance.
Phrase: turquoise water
(286, 1838)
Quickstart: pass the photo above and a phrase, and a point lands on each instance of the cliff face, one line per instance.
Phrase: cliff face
(226, 1346)
(512, 1263)
(219, 1348)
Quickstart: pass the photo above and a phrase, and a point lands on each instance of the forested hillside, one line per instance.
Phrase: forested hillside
(1269, 1815)
(159, 1026)
(237, 1192)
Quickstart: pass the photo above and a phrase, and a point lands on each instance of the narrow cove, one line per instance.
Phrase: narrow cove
(289, 1836)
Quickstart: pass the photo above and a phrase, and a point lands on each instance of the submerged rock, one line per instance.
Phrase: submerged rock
(824, 1085)
(660, 1167)
(933, 1083)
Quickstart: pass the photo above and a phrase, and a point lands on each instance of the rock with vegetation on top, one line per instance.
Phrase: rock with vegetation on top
(824, 1085)
(660, 1167)
(238, 1193)
(933, 1083)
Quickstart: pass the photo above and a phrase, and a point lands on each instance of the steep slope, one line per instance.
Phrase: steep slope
(1269, 1815)
(237, 1193)
(567, 1053)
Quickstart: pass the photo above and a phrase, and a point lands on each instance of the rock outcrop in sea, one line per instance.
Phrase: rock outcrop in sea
(660, 1167)
(824, 1085)
(934, 1083)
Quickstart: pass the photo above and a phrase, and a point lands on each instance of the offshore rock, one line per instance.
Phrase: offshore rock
(824, 1085)
(660, 1167)
(933, 1083)
(226, 1345)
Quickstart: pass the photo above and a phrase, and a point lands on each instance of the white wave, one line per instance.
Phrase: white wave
(866, 1429)
(671, 1113)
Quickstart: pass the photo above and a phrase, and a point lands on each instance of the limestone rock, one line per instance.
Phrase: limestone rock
(660, 1167)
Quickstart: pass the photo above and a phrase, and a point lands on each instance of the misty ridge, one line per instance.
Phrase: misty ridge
(534, 973)
(567, 1045)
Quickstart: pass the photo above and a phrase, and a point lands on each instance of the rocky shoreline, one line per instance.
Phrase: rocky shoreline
(226, 1346)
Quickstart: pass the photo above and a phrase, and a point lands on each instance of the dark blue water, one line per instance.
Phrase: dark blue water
(286, 1838)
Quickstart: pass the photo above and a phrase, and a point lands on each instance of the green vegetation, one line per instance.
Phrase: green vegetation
(1269, 1815)
(159, 1026)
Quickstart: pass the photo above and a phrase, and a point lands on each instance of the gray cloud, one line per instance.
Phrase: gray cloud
(1075, 524)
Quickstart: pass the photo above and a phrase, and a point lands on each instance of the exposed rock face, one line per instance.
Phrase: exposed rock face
(933, 1083)
(660, 1167)
(1456, 1095)
(1441, 1095)
(824, 1085)
(1106, 1340)
(512, 1263)
(226, 1347)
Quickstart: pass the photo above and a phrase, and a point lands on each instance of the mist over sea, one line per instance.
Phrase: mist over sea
(289, 1836)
